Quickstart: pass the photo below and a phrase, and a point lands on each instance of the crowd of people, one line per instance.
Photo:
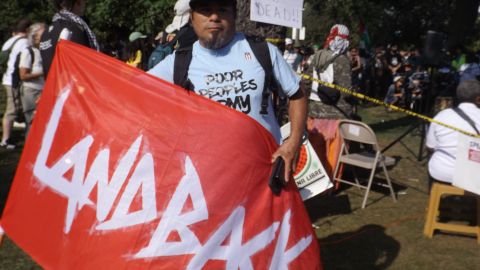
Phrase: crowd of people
(202, 38)
(396, 75)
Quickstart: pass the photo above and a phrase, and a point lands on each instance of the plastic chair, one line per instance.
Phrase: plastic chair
(354, 131)
(432, 223)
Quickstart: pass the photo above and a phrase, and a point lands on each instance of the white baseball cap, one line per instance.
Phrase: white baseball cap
(136, 35)
(397, 78)
(182, 15)
(288, 41)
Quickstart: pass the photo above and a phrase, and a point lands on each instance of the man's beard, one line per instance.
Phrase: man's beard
(216, 42)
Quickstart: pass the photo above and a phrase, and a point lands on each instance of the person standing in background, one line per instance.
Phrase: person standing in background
(291, 54)
(15, 44)
(331, 65)
(327, 105)
(357, 69)
(394, 60)
(67, 23)
(136, 54)
(31, 74)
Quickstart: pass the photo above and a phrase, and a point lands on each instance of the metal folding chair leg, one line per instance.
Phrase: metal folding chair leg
(366, 158)
(369, 185)
(392, 192)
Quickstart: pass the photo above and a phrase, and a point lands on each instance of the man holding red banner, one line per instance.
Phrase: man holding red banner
(223, 68)
(158, 177)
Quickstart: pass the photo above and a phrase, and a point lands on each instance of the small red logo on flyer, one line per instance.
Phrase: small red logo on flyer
(474, 155)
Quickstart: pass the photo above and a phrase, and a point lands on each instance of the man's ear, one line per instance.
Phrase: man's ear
(477, 101)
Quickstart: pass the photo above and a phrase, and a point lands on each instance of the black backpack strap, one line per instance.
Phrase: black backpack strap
(16, 69)
(183, 57)
(262, 53)
(32, 54)
(466, 118)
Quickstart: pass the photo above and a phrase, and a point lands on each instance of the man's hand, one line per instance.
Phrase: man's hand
(298, 116)
(288, 152)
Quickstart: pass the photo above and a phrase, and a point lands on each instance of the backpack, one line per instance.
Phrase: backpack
(5, 55)
(324, 72)
(16, 68)
(183, 38)
(183, 57)
(160, 52)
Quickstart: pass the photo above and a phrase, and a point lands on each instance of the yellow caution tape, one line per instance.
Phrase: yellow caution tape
(275, 40)
(393, 107)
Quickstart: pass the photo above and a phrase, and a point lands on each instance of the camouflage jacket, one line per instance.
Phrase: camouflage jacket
(341, 77)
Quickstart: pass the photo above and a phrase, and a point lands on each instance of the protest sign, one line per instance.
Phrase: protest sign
(310, 175)
(467, 166)
(123, 170)
(287, 13)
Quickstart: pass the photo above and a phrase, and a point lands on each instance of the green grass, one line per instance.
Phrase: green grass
(388, 235)
(384, 235)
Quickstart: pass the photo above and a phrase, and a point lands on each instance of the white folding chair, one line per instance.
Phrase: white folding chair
(354, 131)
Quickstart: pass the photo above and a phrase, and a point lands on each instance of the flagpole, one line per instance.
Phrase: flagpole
(1, 235)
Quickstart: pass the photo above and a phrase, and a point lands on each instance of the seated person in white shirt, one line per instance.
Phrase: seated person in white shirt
(443, 141)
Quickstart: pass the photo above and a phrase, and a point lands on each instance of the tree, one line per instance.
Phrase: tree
(12, 11)
(388, 21)
(463, 20)
(109, 19)
(116, 19)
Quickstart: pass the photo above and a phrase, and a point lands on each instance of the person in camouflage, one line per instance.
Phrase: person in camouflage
(333, 66)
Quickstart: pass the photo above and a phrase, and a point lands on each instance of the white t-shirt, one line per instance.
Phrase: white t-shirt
(36, 67)
(290, 57)
(444, 140)
(232, 76)
(19, 46)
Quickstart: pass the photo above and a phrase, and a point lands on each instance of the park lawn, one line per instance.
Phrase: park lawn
(384, 235)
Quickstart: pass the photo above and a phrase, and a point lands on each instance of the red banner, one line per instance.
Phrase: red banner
(122, 170)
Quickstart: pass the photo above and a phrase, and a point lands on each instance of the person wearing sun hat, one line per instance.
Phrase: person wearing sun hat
(184, 35)
(182, 16)
(136, 35)
(396, 92)
(177, 35)
(135, 53)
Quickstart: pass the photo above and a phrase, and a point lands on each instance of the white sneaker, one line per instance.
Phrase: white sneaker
(7, 146)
